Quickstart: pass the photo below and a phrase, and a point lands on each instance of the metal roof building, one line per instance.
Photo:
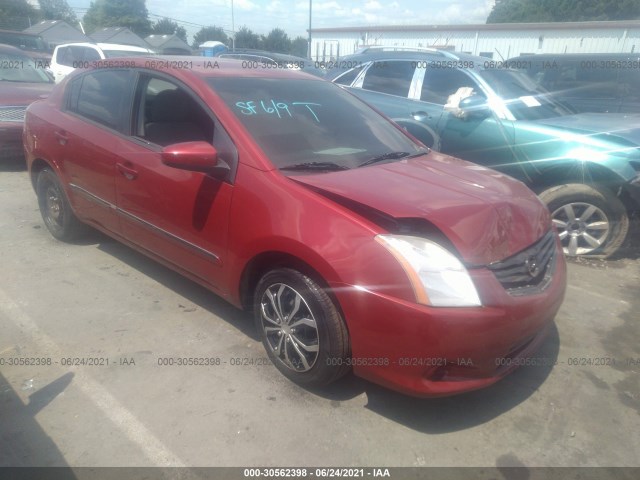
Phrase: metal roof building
(497, 40)
(121, 35)
(57, 32)
(168, 45)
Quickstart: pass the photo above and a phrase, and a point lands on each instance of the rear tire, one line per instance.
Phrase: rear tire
(591, 222)
(301, 328)
(55, 208)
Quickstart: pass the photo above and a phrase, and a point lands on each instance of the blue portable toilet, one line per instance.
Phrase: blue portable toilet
(212, 48)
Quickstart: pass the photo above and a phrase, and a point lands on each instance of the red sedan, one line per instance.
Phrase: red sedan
(21, 82)
(355, 247)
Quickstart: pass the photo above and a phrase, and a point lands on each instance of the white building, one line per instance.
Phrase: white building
(497, 40)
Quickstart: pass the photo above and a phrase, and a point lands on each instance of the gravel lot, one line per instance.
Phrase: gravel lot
(99, 299)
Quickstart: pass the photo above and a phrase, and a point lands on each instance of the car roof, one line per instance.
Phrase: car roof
(263, 53)
(578, 56)
(400, 53)
(106, 46)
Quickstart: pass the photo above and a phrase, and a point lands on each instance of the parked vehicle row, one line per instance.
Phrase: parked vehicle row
(355, 247)
(586, 167)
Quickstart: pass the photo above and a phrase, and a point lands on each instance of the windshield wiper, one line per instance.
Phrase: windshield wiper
(391, 156)
(315, 166)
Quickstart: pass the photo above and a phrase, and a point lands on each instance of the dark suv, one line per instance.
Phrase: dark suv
(586, 167)
(603, 82)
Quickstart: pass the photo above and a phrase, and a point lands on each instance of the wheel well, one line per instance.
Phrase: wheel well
(578, 172)
(267, 261)
(36, 167)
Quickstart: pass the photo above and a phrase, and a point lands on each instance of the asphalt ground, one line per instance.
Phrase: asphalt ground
(99, 299)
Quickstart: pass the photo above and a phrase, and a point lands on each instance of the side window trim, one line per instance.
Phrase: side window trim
(357, 83)
(415, 89)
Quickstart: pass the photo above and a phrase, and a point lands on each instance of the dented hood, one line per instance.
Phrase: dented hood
(486, 215)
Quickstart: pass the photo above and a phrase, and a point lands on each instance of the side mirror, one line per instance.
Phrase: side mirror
(474, 106)
(195, 157)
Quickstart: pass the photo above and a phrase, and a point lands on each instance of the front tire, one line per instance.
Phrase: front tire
(55, 208)
(301, 328)
(590, 221)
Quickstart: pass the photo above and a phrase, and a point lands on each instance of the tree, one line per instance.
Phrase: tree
(166, 26)
(299, 47)
(57, 10)
(277, 41)
(209, 33)
(132, 14)
(517, 11)
(17, 15)
(245, 38)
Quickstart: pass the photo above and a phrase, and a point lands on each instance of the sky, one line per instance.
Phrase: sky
(292, 16)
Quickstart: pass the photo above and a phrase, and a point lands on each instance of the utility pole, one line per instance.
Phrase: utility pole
(233, 29)
(309, 55)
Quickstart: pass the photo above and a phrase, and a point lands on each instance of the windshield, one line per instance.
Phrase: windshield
(524, 98)
(124, 53)
(15, 68)
(300, 122)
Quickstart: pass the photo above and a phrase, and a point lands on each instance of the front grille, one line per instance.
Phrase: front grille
(530, 270)
(12, 114)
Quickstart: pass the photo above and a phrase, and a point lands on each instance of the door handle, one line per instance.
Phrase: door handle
(62, 137)
(420, 116)
(127, 172)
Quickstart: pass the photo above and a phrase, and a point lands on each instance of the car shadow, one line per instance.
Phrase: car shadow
(23, 442)
(630, 249)
(176, 282)
(13, 165)
(436, 415)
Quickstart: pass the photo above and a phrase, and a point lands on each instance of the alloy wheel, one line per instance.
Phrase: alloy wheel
(582, 227)
(290, 327)
(54, 207)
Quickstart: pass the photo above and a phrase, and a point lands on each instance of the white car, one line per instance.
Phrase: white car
(69, 56)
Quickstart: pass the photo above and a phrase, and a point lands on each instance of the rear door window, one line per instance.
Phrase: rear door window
(391, 77)
(85, 54)
(440, 83)
(103, 96)
(64, 56)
